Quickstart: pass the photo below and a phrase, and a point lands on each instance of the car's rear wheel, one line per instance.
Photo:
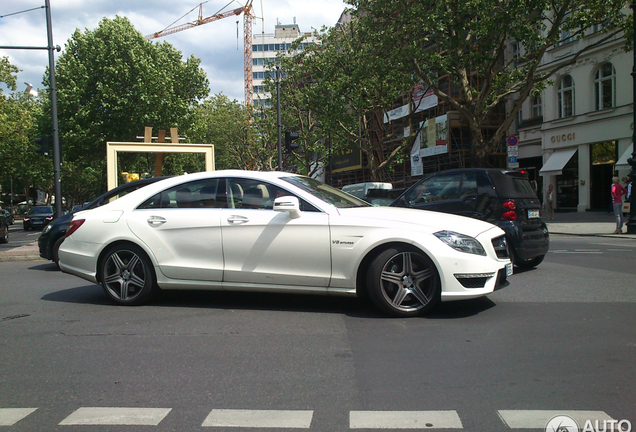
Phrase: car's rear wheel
(403, 282)
(55, 251)
(126, 275)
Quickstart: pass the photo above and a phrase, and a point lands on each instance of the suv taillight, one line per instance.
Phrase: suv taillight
(73, 226)
(509, 211)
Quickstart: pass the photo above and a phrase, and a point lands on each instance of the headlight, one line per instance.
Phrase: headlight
(461, 242)
(47, 229)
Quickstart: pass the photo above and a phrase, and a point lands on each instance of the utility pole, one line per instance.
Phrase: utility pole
(278, 124)
(57, 162)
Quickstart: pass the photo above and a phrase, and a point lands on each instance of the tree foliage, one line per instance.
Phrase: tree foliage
(340, 88)
(111, 83)
(466, 42)
(19, 164)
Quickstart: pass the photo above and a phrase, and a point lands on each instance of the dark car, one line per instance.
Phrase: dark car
(53, 235)
(503, 198)
(4, 228)
(8, 215)
(38, 217)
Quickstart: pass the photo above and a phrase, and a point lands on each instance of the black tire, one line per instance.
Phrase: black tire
(5, 237)
(127, 276)
(528, 264)
(403, 282)
(55, 251)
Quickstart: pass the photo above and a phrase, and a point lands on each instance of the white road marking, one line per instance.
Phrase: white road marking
(116, 416)
(576, 252)
(10, 416)
(299, 419)
(538, 419)
(404, 420)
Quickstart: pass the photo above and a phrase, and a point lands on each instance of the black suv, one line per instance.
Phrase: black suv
(503, 198)
(53, 235)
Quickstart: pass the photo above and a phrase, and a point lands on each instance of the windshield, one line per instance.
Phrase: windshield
(323, 191)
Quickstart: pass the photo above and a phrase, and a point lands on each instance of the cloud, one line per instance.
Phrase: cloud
(214, 43)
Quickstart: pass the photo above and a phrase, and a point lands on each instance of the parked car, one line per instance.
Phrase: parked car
(53, 235)
(4, 228)
(281, 232)
(503, 198)
(8, 215)
(38, 217)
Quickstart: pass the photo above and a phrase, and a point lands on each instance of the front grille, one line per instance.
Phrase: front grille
(501, 247)
(502, 280)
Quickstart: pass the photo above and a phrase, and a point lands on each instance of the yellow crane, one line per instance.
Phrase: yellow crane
(247, 35)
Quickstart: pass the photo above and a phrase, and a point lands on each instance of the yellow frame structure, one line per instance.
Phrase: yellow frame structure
(112, 148)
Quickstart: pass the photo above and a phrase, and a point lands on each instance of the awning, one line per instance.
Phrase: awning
(557, 161)
(622, 162)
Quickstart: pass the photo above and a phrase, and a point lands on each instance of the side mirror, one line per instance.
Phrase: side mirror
(288, 204)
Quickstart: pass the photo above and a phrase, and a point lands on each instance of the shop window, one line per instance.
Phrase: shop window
(605, 87)
(565, 97)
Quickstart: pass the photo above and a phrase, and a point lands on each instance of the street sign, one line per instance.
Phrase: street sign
(512, 140)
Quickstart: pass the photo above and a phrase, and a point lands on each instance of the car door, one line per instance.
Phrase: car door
(181, 226)
(262, 246)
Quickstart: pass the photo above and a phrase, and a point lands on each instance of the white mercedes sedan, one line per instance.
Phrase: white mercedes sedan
(281, 232)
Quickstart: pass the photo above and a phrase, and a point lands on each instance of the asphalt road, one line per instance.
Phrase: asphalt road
(561, 339)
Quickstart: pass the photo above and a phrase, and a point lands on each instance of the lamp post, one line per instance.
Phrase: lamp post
(631, 225)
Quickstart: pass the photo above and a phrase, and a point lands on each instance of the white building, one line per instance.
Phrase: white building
(573, 135)
(265, 47)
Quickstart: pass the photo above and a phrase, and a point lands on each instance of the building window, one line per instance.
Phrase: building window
(565, 97)
(605, 87)
(537, 107)
(516, 50)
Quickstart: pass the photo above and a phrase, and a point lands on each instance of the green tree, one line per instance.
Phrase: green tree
(18, 120)
(466, 41)
(111, 83)
(340, 88)
(238, 141)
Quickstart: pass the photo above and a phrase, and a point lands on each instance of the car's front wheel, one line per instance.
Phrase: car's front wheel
(528, 264)
(127, 276)
(403, 282)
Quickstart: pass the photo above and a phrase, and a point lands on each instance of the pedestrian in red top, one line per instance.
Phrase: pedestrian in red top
(618, 192)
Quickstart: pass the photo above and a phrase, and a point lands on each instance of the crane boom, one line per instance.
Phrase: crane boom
(247, 42)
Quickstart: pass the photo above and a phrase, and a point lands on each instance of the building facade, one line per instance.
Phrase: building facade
(265, 48)
(575, 132)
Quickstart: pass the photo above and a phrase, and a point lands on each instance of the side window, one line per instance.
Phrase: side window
(469, 186)
(257, 195)
(440, 187)
(197, 194)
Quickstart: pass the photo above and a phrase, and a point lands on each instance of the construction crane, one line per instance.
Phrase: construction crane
(247, 42)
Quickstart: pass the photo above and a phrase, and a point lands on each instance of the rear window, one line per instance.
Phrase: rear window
(513, 186)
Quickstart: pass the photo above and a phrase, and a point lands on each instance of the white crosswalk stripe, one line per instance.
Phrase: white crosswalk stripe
(259, 418)
(538, 419)
(404, 420)
(10, 416)
(116, 416)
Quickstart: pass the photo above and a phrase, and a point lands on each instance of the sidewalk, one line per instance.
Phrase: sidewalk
(591, 223)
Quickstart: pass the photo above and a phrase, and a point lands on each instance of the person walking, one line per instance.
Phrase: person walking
(549, 202)
(617, 198)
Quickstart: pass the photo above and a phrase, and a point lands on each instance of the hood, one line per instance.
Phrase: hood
(420, 220)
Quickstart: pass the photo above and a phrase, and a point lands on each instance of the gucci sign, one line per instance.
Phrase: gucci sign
(562, 138)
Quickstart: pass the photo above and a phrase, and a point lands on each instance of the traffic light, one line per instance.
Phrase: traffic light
(45, 145)
(290, 138)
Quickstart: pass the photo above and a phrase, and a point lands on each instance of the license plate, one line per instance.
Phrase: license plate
(508, 269)
(533, 214)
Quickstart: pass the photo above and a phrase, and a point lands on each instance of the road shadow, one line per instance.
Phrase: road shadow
(279, 302)
(47, 266)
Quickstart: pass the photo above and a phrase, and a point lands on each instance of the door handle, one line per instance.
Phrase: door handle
(155, 221)
(237, 220)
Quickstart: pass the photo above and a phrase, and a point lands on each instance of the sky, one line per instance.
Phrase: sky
(215, 43)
